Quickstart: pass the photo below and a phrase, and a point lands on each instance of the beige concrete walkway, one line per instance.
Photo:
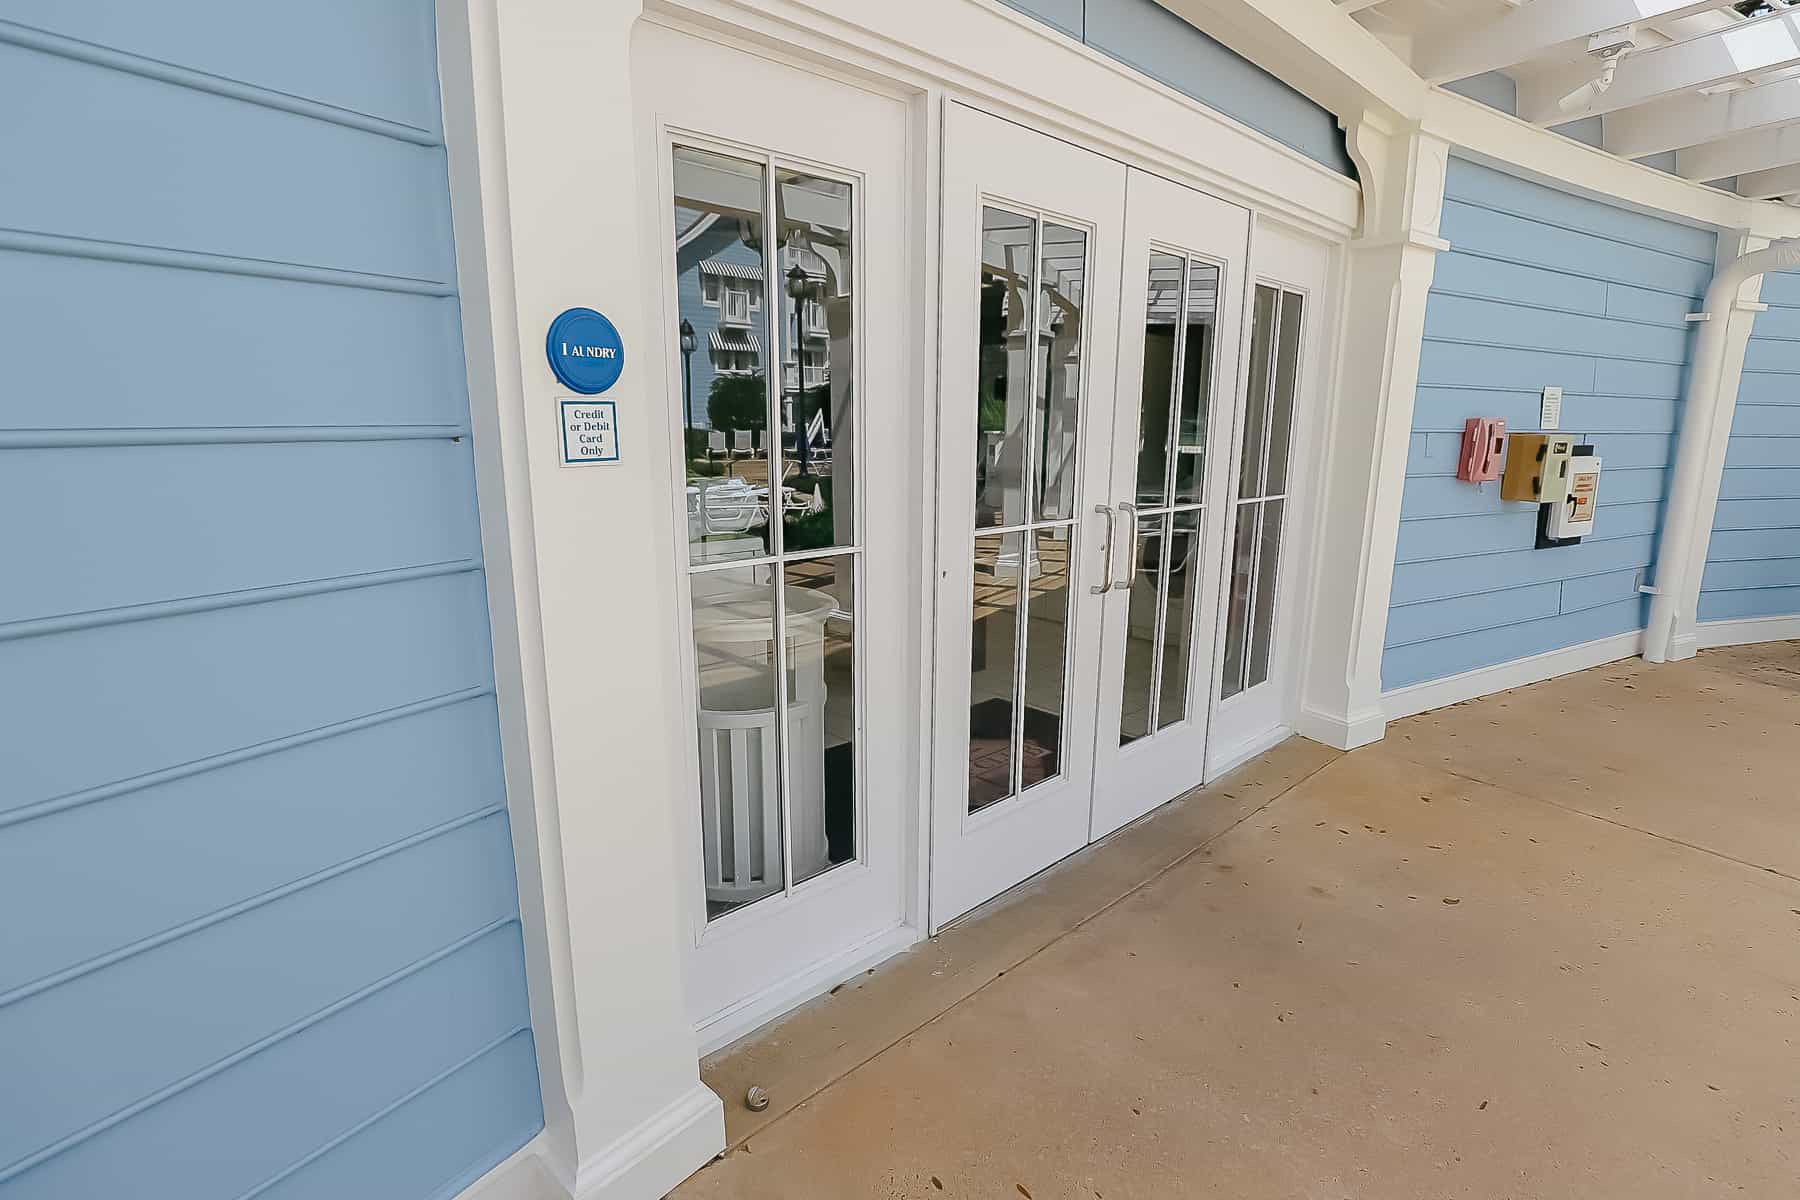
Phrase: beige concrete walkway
(1541, 945)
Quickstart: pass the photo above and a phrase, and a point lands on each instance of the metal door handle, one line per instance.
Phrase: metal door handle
(1131, 567)
(1106, 550)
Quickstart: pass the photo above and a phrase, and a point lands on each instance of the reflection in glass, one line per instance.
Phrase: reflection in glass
(724, 398)
(740, 762)
(1268, 561)
(1003, 383)
(1162, 312)
(1135, 716)
(813, 227)
(1256, 394)
(1256, 548)
(1196, 382)
(1281, 402)
(1237, 620)
(820, 599)
(1180, 610)
(1062, 290)
(1046, 644)
(993, 659)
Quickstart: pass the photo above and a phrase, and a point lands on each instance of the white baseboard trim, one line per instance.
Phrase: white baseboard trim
(1342, 732)
(1226, 758)
(644, 1164)
(522, 1176)
(751, 1014)
(1485, 681)
(647, 1162)
(1709, 635)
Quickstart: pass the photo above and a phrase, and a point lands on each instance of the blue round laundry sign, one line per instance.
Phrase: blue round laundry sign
(585, 351)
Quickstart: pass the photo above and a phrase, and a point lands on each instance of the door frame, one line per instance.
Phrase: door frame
(1239, 165)
(1156, 207)
(806, 911)
(1261, 717)
(1044, 817)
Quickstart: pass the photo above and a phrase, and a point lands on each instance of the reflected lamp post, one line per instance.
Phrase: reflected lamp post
(687, 378)
(797, 287)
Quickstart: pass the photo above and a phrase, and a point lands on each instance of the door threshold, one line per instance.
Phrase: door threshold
(797, 1058)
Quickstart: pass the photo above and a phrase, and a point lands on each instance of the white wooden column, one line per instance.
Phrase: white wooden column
(1685, 578)
(1386, 280)
(551, 214)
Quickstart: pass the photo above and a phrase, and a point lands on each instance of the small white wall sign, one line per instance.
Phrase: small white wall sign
(590, 432)
(1552, 417)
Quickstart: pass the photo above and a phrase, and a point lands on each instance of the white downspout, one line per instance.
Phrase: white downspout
(1699, 434)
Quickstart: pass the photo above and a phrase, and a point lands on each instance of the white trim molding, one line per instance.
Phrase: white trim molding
(645, 1162)
(1710, 635)
(650, 1159)
(1485, 681)
(1387, 275)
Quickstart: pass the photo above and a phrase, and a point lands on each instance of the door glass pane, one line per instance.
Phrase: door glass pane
(724, 397)
(1281, 408)
(1268, 565)
(813, 219)
(993, 653)
(1162, 311)
(1196, 382)
(1003, 386)
(820, 598)
(1046, 655)
(1256, 393)
(740, 762)
(1062, 292)
(1180, 610)
(1237, 625)
(1140, 633)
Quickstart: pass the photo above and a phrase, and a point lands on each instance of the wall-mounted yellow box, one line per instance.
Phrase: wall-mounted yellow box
(1537, 467)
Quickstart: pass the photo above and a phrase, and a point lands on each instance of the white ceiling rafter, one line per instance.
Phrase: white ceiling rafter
(1765, 43)
(1534, 27)
(1356, 6)
(1772, 184)
(1690, 120)
(1742, 154)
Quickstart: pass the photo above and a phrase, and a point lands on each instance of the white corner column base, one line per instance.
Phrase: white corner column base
(646, 1164)
(1485, 681)
(1342, 732)
(665, 1149)
(1710, 635)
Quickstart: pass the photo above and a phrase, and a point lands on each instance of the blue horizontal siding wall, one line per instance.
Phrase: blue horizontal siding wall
(1144, 35)
(1753, 561)
(262, 932)
(1540, 288)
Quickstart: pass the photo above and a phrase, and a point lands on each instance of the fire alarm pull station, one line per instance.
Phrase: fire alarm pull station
(1537, 467)
(1572, 518)
(1484, 441)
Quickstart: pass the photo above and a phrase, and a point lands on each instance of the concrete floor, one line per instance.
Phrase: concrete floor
(1541, 945)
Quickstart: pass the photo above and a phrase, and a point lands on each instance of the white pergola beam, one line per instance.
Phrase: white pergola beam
(1680, 121)
(1356, 6)
(1764, 43)
(1531, 29)
(1741, 154)
(1771, 185)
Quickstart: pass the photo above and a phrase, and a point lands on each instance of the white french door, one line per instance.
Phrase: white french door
(784, 276)
(1032, 232)
(1180, 329)
(1097, 468)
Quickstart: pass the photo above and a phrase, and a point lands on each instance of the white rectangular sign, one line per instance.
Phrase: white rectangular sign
(1552, 415)
(590, 432)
